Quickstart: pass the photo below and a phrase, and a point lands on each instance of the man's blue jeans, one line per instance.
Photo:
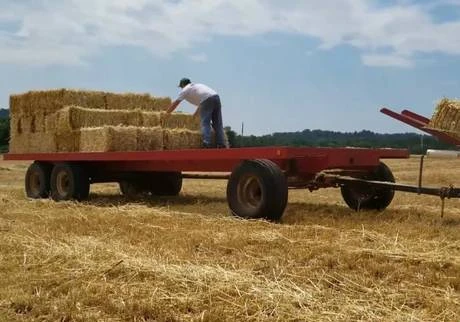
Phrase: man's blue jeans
(211, 115)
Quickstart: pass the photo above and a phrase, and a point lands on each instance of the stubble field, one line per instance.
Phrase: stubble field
(187, 259)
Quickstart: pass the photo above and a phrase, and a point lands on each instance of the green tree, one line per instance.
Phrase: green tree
(4, 134)
(231, 136)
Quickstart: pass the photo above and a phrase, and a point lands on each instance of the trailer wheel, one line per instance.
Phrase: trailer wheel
(37, 180)
(132, 189)
(155, 183)
(69, 182)
(166, 183)
(364, 196)
(257, 189)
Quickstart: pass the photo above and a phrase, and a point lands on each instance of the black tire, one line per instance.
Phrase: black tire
(166, 183)
(154, 183)
(37, 180)
(69, 182)
(257, 189)
(368, 197)
(133, 188)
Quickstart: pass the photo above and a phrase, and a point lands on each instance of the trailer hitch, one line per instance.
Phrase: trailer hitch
(449, 192)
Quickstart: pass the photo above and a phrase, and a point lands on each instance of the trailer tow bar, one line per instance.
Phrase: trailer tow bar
(442, 192)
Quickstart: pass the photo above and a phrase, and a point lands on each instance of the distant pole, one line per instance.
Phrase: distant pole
(242, 133)
(421, 143)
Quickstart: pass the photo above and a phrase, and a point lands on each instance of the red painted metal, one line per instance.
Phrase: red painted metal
(420, 123)
(296, 161)
(416, 116)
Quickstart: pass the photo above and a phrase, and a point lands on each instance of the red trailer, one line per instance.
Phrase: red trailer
(258, 178)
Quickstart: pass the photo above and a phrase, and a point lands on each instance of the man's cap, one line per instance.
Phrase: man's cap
(184, 81)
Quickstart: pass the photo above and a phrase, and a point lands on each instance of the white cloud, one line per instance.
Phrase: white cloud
(386, 60)
(69, 31)
(200, 58)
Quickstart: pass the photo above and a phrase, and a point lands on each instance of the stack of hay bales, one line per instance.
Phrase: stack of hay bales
(447, 117)
(91, 121)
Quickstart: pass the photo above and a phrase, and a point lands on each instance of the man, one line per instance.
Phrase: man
(208, 106)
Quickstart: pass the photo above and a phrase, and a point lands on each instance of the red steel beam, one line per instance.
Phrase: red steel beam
(416, 116)
(176, 155)
(404, 118)
(305, 161)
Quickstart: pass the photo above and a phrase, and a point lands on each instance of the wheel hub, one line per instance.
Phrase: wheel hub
(63, 183)
(249, 192)
(35, 183)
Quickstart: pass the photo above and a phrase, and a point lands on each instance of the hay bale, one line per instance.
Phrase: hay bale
(27, 124)
(84, 98)
(180, 121)
(51, 123)
(19, 143)
(16, 125)
(131, 101)
(42, 142)
(149, 138)
(50, 101)
(176, 139)
(75, 117)
(150, 119)
(32, 143)
(68, 141)
(35, 123)
(108, 139)
(446, 116)
(16, 105)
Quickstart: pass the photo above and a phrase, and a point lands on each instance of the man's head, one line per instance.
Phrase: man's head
(184, 82)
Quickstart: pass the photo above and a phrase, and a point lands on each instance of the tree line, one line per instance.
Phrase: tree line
(4, 134)
(416, 143)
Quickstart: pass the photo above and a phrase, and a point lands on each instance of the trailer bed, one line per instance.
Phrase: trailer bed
(308, 161)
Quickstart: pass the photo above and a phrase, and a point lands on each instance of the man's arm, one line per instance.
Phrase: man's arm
(196, 112)
(173, 106)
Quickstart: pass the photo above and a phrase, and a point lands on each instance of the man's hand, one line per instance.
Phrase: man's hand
(197, 112)
(173, 106)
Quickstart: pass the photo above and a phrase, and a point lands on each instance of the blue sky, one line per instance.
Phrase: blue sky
(278, 65)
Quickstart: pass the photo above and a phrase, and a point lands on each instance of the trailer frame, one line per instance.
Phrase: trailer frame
(258, 178)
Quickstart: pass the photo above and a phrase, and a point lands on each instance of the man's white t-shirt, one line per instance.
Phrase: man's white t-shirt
(196, 93)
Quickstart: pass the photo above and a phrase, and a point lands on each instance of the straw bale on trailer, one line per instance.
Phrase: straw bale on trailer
(68, 141)
(33, 143)
(180, 121)
(149, 138)
(74, 117)
(150, 119)
(64, 120)
(447, 117)
(38, 123)
(51, 123)
(27, 123)
(176, 139)
(130, 101)
(108, 139)
(88, 99)
(51, 101)
(16, 105)
(42, 142)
